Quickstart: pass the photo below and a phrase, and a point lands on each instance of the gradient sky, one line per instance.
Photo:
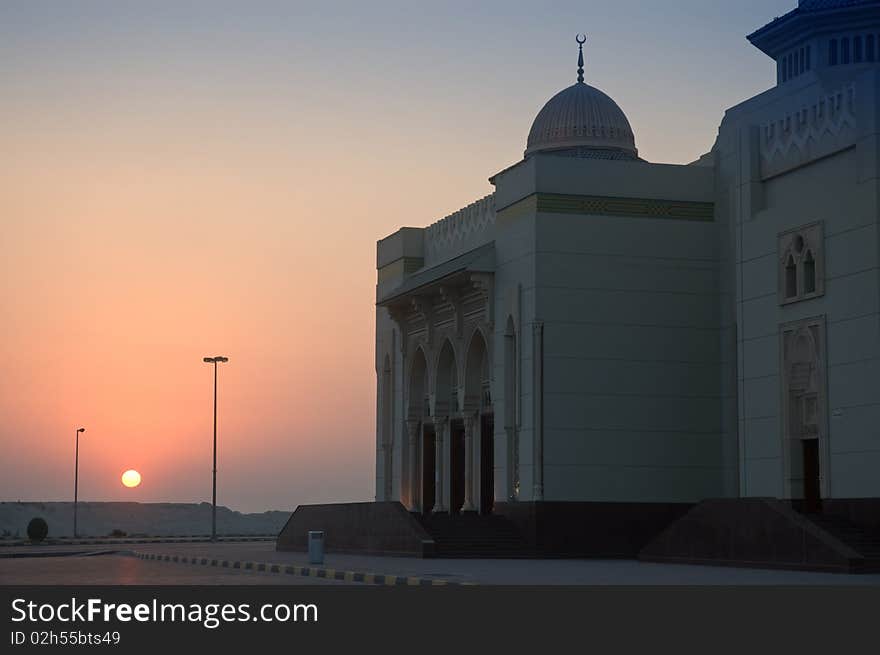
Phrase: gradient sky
(185, 179)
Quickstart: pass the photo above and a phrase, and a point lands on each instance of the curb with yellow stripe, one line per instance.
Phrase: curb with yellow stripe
(308, 571)
(125, 541)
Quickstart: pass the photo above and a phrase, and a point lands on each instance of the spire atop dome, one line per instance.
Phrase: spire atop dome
(583, 122)
(581, 40)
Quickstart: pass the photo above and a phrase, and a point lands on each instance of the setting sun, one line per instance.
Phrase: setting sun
(131, 478)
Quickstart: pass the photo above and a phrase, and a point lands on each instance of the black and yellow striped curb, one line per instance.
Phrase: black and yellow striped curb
(308, 571)
(122, 541)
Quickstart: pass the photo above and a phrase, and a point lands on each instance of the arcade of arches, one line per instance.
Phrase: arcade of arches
(447, 458)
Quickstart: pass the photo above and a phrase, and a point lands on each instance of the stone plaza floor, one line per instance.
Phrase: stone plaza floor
(122, 568)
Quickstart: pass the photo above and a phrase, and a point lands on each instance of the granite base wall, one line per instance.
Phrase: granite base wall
(585, 529)
(751, 532)
(380, 528)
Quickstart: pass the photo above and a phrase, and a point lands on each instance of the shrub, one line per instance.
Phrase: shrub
(37, 530)
(118, 533)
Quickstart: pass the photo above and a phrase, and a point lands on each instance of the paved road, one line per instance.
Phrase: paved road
(127, 570)
(524, 572)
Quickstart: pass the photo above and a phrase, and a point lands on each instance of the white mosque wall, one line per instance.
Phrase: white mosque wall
(727, 337)
(397, 256)
(514, 302)
(829, 177)
(613, 179)
(388, 428)
(631, 357)
(629, 307)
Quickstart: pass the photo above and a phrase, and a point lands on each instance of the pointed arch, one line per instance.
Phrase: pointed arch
(417, 387)
(446, 381)
(476, 373)
(791, 284)
(806, 442)
(803, 360)
(809, 272)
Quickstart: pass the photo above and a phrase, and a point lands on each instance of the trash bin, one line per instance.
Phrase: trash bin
(316, 546)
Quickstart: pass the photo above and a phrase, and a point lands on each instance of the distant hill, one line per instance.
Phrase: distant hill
(150, 519)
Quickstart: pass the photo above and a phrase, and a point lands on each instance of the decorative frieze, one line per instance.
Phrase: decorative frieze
(555, 203)
(460, 232)
(816, 130)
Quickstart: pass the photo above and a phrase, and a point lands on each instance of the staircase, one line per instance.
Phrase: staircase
(866, 543)
(473, 536)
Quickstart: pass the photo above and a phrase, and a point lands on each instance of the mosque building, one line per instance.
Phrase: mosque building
(616, 356)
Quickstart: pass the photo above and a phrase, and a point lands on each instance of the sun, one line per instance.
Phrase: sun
(131, 478)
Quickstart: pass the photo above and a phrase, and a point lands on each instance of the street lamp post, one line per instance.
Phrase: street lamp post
(76, 480)
(214, 360)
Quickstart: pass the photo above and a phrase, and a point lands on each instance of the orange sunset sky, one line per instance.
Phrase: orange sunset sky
(185, 179)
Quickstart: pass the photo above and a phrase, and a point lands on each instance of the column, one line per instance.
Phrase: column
(538, 392)
(512, 464)
(412, 428)
(389, 473)
(441, 425)
(471, 422)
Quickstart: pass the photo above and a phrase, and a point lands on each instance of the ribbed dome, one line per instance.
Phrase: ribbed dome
(584, 122)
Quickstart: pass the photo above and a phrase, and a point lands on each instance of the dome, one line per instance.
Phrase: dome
(581, 121)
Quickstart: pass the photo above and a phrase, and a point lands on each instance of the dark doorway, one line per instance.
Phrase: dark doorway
(487, 464)
(456, 461)
(812, 491)
(428, 474)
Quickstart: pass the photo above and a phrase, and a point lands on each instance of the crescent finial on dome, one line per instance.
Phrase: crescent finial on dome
(581, 40)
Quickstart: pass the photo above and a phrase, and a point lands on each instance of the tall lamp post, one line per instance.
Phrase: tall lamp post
(76, 480)
(215, 360)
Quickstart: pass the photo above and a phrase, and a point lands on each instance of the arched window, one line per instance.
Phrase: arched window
(809, 63)
(844, 50)
(799, 276)
(832, 52)
(858, 53)
(870, 53)
(790, 278)
(809, 273)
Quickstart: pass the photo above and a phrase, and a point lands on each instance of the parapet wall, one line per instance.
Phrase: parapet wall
(460, 232)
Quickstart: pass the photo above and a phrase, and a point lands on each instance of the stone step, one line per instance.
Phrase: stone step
(864, 542)
(473, 535)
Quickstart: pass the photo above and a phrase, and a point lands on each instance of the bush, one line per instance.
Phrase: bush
(37, 530)
(118, 533)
